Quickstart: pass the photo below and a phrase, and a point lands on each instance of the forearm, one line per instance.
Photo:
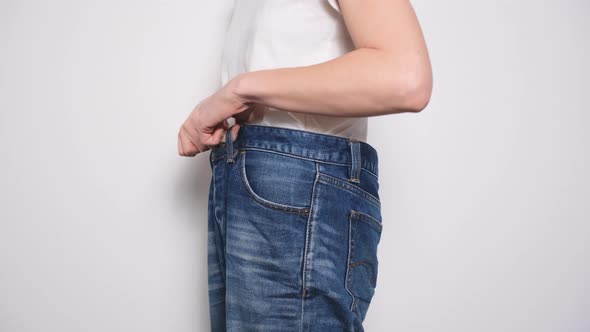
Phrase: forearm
(363, 82)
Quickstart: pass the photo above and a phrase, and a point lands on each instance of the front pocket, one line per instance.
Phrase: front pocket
(362, 266)
(276, 180)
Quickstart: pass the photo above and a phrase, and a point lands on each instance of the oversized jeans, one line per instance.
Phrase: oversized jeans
(294, 221)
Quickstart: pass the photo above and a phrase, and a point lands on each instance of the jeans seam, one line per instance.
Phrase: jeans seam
(306, 249)
(348, 258)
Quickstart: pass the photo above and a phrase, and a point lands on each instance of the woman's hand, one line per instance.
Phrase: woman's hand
(207, 124)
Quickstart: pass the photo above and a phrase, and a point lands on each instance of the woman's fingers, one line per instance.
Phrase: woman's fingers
(191, 144)
(187, 144)
(180, 150)
(235, 128)
(217, 136)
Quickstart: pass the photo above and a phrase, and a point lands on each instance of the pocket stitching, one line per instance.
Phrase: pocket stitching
(331, 180)
(372, 221)
(356, 216)
(348, 258)
(264, 202)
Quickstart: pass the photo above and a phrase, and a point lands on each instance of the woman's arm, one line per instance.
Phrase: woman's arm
(388, 72)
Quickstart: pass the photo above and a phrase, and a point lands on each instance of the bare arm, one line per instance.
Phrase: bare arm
(388, 72)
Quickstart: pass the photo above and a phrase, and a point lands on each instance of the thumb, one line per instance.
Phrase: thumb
(235, 128)
(217, 136)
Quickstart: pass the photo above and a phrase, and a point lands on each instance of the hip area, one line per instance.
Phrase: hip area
(279, 168)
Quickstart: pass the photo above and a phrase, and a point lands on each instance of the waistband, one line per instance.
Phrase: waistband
(299, 143)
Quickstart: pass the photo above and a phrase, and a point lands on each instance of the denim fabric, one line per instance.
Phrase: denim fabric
(294, 221)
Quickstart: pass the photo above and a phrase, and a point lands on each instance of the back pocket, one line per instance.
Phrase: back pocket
(362, 269)
(277, 181)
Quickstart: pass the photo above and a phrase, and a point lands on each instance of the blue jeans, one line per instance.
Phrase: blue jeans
(294, 220)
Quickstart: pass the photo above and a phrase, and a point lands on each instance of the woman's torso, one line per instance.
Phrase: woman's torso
(268, 34)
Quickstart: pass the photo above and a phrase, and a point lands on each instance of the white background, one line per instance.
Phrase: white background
(103, 225)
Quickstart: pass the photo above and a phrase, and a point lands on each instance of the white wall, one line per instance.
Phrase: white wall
(103, 225)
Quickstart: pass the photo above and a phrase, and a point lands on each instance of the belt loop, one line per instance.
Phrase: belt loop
(355, 165)
(211, 154)
(229, 145)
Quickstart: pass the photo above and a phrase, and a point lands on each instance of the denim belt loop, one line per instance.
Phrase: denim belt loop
(211, 155)
(355, 165)
(229, 144)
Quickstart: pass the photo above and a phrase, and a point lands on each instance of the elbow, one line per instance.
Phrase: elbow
(420, 95)
(412, 94)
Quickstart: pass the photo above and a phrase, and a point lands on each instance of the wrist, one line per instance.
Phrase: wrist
(232, 96)
(241, 86)
(230, 101)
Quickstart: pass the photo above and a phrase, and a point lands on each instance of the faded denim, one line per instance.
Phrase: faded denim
(294, 222)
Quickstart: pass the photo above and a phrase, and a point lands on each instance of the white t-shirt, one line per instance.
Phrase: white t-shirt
(268, 34)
